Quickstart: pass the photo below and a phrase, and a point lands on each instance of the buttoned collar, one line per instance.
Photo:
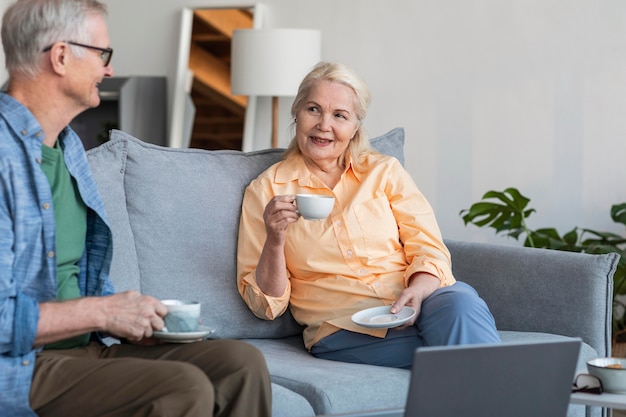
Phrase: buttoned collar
(21, 120)
(294, 169)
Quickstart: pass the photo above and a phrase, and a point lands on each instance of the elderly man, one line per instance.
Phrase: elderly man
(56, 299)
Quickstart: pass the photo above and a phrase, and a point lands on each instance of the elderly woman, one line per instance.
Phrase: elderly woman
(380, 245)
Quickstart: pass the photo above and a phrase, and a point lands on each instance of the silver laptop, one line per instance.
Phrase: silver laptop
(508, 379)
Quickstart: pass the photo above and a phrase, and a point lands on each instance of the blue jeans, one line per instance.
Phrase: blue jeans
(453, 315)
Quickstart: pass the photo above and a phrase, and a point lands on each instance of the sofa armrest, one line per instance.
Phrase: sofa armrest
(542, 290)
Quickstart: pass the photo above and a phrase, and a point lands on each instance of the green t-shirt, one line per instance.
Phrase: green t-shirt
(70, 216)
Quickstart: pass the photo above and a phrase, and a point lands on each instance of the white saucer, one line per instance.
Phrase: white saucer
(184, 337)
(381, 318)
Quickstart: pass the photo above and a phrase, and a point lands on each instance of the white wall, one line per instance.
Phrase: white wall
(3, 73)
(492, 93)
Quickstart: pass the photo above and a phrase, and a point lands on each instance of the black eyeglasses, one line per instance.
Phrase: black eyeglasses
(105, 53)
(587, 383)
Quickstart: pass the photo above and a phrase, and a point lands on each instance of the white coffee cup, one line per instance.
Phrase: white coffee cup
(314, 206)
(182, 316)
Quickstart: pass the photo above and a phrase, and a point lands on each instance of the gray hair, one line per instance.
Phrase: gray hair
(338, 73)
(29, 26)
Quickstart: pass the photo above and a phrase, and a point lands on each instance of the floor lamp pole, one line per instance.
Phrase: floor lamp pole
(274, 122)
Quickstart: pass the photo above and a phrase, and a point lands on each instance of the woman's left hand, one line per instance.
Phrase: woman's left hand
(421, 285)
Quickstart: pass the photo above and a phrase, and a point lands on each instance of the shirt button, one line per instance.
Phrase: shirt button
(362, 271)
(46, 206)
(39, 134)
(349, 252)
(24, 132)
(377, 284)
(339, 223)
(51, 254)
(38, 160)
(26, 362)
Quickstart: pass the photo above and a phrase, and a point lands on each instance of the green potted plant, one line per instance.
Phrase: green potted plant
(507, 211)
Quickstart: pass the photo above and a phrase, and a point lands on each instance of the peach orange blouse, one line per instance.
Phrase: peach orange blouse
(380, 232)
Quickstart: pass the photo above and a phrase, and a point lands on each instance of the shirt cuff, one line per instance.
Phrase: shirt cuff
(443, 273)
(24, 325)
(263, 305)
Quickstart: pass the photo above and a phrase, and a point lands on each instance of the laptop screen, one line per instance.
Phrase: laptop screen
(508, 379)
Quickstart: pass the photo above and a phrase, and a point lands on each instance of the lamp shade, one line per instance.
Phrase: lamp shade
(272, 62)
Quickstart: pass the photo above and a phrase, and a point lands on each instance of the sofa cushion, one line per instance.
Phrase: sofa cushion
(175, 218)
(391, 143)
(329, 386)
(108, 164)
(586, 351)
(288, 403)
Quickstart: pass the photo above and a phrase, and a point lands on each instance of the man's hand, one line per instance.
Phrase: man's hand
(128, 315)
(132, 315)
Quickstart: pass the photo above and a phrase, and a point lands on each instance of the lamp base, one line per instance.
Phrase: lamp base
(274, 122)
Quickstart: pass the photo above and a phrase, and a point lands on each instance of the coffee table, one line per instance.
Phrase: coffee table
(606, 400)
(388, 412)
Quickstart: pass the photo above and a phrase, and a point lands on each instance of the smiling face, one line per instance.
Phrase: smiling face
(326, 123)
(88, 69)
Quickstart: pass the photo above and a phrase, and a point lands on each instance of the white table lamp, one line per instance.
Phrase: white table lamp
(272, 62)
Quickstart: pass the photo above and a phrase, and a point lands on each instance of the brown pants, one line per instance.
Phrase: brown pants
(210, 378)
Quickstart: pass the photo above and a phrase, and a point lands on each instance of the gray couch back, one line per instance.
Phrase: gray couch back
(541, 290)
(175, 219)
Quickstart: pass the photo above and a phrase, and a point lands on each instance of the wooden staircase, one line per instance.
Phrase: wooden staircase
(219, 118)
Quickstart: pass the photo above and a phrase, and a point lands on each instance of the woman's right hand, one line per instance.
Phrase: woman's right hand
(271, 271)
(279, 213)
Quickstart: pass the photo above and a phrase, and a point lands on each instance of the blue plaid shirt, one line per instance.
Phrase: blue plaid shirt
(27, 245)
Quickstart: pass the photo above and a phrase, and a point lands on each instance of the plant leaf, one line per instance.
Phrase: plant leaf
(618, 213)
(506, 213)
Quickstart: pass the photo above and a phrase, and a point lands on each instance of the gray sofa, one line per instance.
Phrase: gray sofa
(175, 213)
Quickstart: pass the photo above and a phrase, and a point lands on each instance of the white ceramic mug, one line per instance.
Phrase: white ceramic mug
(182, 316)
(314, 206)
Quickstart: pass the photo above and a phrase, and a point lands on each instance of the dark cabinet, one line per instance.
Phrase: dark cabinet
(136, 105)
